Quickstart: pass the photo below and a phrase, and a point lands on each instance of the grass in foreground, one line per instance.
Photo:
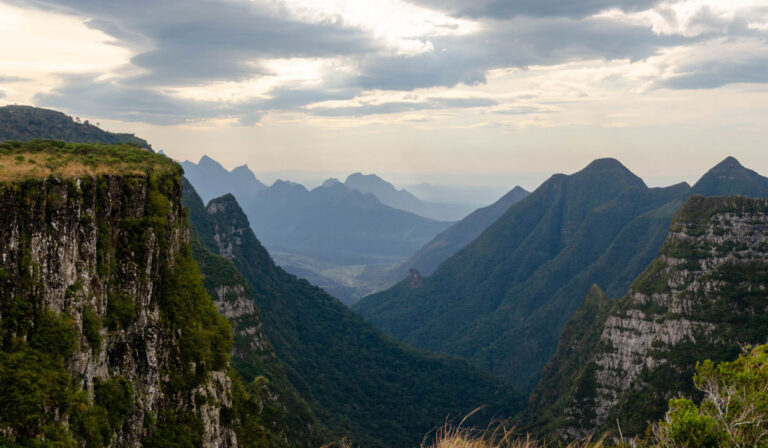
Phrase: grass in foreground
(45, 158)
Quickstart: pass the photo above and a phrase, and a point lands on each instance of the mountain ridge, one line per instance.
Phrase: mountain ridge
(529, 270)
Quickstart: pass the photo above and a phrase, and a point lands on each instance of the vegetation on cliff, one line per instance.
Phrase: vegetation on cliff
(293, 422)
(701, 298)
(107, 334)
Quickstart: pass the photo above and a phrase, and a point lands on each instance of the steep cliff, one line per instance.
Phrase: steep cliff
(253, 355)
(703, 297)
(108, 336)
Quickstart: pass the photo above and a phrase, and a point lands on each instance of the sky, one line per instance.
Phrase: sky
(484, 92)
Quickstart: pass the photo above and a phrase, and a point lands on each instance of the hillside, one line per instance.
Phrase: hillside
(108, 336)
(444, 245)
(358, 382)
(502, 300)
(26, 123)
(703, 297)
(452, 239)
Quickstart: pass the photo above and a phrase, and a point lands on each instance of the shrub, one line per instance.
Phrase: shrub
(734, 412)
(92, 329)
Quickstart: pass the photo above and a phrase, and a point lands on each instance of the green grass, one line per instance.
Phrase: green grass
(49, 158)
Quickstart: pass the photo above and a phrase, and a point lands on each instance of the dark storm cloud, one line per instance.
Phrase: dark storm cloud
(535, 8)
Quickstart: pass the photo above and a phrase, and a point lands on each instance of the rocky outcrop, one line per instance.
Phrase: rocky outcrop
(98, 253)
(701, 298)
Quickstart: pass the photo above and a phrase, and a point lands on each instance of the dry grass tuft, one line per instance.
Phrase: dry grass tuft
(498, 437)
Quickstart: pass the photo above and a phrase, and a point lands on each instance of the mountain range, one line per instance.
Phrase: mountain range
(351, 238)
(503, 300)
(213, 180)
(329, 234)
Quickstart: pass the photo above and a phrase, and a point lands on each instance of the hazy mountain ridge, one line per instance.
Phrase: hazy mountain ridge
(402, 199)
(328, 234)
(452, 239)
(213, 180)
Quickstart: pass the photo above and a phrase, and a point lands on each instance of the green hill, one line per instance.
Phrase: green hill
(502, 300)
(26, 123)
(358, 381)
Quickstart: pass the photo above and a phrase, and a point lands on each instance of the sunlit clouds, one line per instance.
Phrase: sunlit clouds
(424, 85)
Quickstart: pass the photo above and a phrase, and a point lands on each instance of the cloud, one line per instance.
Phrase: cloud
(523, 110)
(203, 40)
(178, 47)
(90, 96)
(534, 8)
(11, 79)
(403, 106)
(715, 74)
(520, 42)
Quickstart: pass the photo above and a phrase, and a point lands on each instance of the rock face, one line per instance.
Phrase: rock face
(292, 423)
(97, 258)
(701, 298)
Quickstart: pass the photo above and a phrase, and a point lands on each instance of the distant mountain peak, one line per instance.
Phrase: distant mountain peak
(209, 162)
(359, 175)
(730, 177)
(729, 163)
(611, 168)
(242, 169)
(330, 182)
(606, 163)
